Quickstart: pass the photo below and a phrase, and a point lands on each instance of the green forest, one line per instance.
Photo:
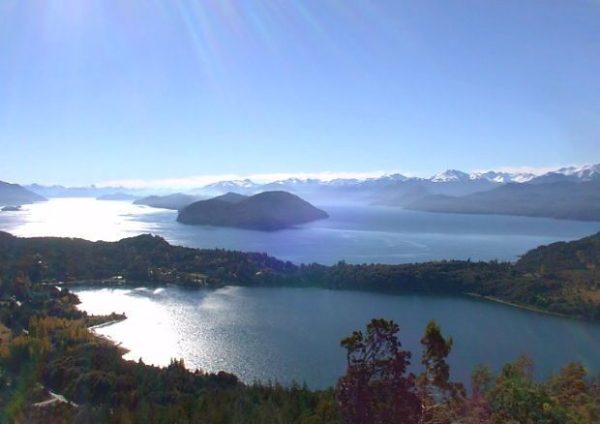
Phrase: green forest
(53, 369)
(562, 278)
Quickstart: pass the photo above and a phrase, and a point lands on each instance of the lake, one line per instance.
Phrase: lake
(293, 334)
(356, 234)
(286, 334)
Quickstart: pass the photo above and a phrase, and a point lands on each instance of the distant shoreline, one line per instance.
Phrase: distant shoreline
(105, 339)
(524, 307)
(104, 284)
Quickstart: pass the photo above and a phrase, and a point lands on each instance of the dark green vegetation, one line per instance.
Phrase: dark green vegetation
(377, 387)
(45, 348)
(11, 209)
(563, 200)
(14, 194)
(45, 345)
(52, 369)
(267, 211)
(144, 258)
(562, 278)
(174, 201)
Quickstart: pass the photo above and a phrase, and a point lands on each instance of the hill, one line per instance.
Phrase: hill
(562, 200)
(142, 258)
(581, 255)
(560, 278)
(175, 201)
(117, 196)
(231, 197)
(267, 211)
(58, 358)
(14, 194)
(400, 190)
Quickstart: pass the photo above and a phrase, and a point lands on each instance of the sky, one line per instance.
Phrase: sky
(121, 90)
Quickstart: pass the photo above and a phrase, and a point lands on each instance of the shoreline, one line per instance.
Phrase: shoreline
(525, 307)
(134, 284)
(107, 323)
(116, 318)
(107, 340)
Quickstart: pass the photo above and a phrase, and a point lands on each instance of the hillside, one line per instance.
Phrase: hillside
(267, 211)
(175, 201)
(562, 200)
(400, 190)
(561, 278)
(144, 258)
(14, 194)
(53, 368)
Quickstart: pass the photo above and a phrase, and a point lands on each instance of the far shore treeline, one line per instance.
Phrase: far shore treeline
(561, 278)
(54, 369)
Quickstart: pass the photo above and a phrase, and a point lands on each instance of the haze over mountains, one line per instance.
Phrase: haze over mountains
(14, 195)
(566, 193)
(463, 182)
(562, 200)
(400, 190)
(175, 201)
(569, 192)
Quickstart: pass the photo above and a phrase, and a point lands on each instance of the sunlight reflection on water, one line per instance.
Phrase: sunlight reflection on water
(287, 334)
(155, 337)
(82, 217)
(355, 234)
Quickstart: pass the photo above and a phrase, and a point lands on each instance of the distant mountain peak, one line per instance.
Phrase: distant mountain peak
(581, 173)
(450, 175)
(503, 177)
(14, 194)
(241, 183)
(584, 172)
(394, 177)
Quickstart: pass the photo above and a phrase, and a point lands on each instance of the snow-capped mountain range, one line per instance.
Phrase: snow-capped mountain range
(396, 188)
(571, 173)
(232, 185)
(452, 175)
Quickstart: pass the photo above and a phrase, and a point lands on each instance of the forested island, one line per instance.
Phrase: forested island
(562, 278)
(266, 211)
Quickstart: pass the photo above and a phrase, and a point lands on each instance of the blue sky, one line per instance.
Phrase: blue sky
(95, 90)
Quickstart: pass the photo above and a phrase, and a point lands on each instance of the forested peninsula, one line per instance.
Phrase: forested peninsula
(53, 369)
(561, 278)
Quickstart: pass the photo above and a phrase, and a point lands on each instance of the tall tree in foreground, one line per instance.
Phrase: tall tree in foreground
(377, 387)
(442, 400)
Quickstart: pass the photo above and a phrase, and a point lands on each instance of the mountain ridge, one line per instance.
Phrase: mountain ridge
(571, 173)
(561, 200)
(15, 195)
(246, 185)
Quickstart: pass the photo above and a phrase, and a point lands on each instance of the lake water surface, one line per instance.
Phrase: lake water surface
(356, 234)
(293, 334)
(285, 334)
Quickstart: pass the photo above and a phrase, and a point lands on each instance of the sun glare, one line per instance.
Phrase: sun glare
(84, 218)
